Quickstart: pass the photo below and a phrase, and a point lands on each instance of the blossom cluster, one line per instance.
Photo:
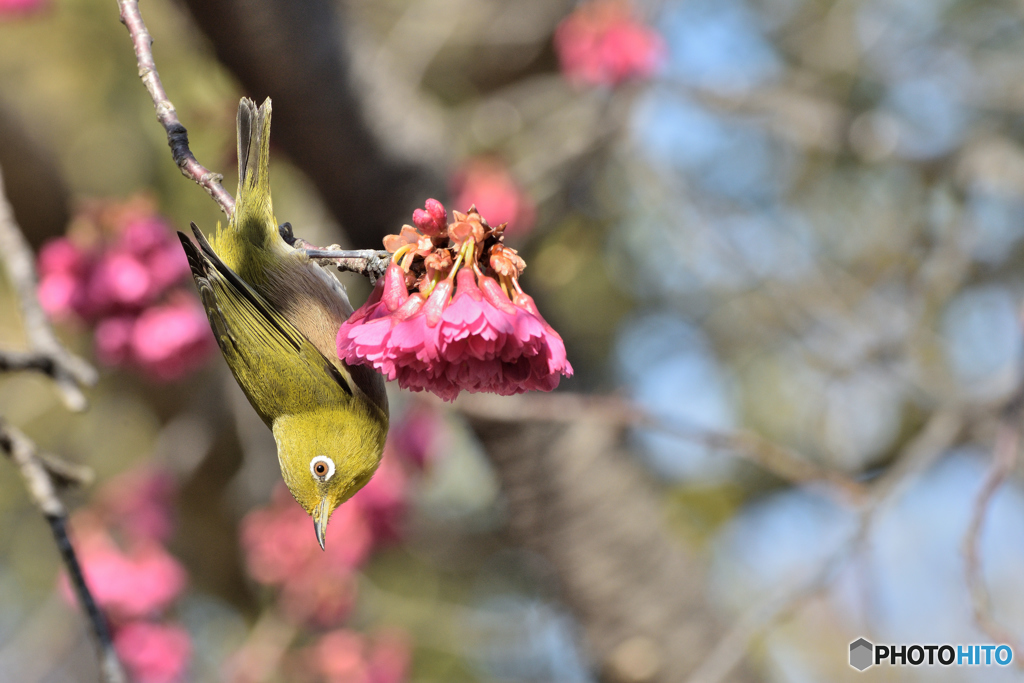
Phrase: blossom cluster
(121, 272)
(601, 43)
(120, 543)
(466, 325)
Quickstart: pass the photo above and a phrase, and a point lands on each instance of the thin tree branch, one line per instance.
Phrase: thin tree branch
(568, 407)
(367, 262)
(1004, 458)
(177, 136)
(937, 435)
(69, 372)
(39, 481)
(43, 473)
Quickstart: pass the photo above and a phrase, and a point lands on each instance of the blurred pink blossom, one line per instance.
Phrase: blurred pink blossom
(60, 255)
(21, 7)
(138, 503)
(129, 585)
(172, 340)
(153, 653)
(341, 658)
(58, 294)
(415, 435)
(487, 183)
(344, 656)
(383, 499)
(390, 656)
(118, 282)
(127, 284)
(62, 266)
(600, 43)
(281, 550)
(321, 595)
(113, 338)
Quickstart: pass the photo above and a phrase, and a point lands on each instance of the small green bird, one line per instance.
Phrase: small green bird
(276, 314)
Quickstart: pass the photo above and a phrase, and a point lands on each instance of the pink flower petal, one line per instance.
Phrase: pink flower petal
(154, 653)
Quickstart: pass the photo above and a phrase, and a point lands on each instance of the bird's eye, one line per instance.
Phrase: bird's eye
(322, 467)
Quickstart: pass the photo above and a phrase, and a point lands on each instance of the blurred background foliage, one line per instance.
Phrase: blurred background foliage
(805, 223)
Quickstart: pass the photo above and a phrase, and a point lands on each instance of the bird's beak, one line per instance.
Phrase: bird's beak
(321, 513)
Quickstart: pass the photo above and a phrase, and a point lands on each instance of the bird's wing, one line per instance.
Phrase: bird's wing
(277, 366)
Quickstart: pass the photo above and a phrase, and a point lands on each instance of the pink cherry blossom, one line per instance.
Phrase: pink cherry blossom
(340, 657)
(274, 539)
(141, 235)
(486, 183)
(383, 499)
(317, 587)
(129, 284)
(153, 653)
(172, 340)
(600, 43)
(477, 341)
(344, 656)
(390, 656)
(61, 255)
(138, 503)
(416, 434)
(10, 8)
(432, 219)
(319, 596)
(119, 280)
(59, 295)
(130, 585)
(113, 337)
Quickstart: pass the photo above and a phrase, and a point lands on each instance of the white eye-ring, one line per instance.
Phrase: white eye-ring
(322, 467)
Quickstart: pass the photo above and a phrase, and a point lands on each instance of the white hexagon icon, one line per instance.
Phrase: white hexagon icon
(861, 651)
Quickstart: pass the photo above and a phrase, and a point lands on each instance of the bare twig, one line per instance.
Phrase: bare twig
(1004, 458)
(367, 262)
(37, 473)
(567, 407)
(177, 136)
(68, 371)
(936, 436)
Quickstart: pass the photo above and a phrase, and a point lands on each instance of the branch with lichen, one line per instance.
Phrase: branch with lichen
(44, 473)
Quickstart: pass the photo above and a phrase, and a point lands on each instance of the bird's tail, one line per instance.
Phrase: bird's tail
(254, 212)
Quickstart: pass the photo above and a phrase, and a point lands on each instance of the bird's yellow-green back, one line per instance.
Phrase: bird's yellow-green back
(308, 296)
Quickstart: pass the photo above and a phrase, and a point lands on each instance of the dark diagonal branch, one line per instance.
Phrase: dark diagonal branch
(177, 136)
(37, 472)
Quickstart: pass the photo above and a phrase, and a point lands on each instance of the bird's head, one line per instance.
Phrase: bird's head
(327, 455)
